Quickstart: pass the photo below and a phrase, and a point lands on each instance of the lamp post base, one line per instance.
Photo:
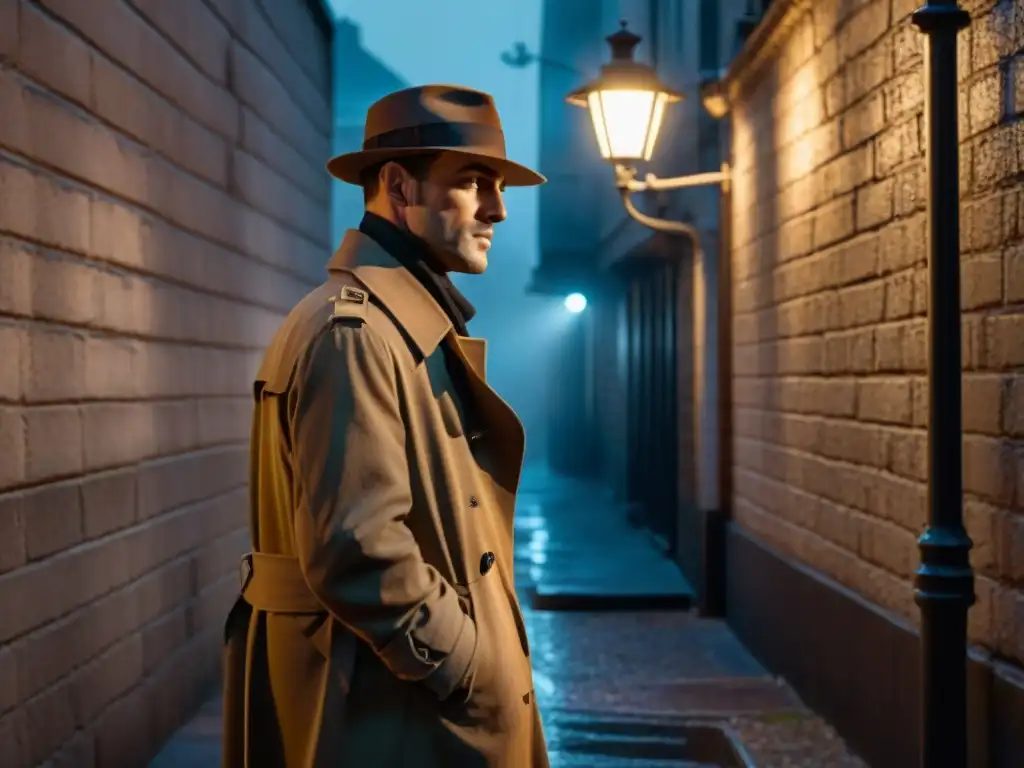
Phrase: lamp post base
(944, 590)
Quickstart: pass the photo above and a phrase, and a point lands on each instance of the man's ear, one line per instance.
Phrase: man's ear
(397, 184)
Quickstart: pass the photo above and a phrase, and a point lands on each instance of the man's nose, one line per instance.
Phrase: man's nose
(494, 208)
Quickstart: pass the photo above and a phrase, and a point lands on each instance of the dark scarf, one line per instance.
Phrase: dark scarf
(413, 254)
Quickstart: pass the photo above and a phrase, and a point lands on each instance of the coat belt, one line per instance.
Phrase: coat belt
(275, 584)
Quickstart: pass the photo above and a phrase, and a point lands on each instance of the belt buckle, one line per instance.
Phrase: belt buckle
(245, 570)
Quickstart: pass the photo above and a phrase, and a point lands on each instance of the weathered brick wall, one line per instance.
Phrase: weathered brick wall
(830, 297)
(162, 205)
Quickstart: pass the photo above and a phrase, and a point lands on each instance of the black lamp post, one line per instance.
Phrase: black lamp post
(944, 581)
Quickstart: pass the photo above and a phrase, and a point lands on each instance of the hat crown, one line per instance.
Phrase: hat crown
(430, 105)
(433, 118)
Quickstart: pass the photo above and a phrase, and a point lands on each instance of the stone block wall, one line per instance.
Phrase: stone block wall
(830, 294)
(163, 203)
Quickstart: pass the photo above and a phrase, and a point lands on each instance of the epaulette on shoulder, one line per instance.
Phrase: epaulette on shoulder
(350, 303)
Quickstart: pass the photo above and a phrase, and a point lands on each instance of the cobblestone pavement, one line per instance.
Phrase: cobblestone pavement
(628, 688)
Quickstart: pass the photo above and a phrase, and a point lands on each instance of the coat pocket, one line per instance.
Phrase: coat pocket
(517, 615)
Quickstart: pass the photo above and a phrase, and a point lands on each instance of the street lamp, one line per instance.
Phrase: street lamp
(627, 106)
(627, 103)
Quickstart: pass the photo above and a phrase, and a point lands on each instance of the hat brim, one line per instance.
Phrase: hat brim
(350, 166)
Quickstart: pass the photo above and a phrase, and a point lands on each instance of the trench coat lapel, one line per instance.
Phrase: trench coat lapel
(474, 351)
(504, 435)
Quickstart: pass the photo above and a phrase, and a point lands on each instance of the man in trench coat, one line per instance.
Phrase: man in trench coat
(378, 623)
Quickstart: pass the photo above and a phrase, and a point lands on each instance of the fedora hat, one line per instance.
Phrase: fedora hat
(433, 118)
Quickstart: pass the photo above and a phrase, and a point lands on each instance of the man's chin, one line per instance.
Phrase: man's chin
(473, 263)
(470, 261)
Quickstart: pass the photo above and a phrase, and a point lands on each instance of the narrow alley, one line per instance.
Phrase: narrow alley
(626, 676)
(773, 512)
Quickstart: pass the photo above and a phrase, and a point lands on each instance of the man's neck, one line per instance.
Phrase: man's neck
(398, 235)
(415, 255)
(383, 212)
(399, 241)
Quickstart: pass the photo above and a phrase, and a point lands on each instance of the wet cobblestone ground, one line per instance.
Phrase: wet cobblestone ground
(619, 689)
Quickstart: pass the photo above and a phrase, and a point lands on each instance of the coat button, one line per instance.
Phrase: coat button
(486, 562)
(473, 502)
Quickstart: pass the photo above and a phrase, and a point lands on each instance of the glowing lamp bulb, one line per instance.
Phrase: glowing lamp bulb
(575, 303)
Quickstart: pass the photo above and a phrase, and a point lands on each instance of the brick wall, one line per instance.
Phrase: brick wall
(830, 297)
(162, 205)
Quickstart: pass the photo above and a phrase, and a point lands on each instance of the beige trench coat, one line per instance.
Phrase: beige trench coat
(387, 631)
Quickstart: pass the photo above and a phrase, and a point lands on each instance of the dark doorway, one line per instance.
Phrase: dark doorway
(658, 395)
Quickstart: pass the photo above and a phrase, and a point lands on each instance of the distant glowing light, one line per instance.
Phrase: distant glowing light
(575, 303)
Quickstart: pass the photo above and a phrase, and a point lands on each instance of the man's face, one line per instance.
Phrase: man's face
(455, 209)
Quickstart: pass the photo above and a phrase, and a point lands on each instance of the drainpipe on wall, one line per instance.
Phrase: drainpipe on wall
(713, 596)
(712, 600)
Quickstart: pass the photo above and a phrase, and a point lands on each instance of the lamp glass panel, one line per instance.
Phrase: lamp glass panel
(626, 117)
(600, 127)
(658, 113)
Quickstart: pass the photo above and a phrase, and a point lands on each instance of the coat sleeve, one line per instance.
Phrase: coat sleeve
(352, 474)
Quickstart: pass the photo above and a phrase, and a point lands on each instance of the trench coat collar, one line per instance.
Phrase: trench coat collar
(412, 306)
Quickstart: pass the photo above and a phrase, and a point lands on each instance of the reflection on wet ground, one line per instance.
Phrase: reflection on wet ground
(614, 686)
(622, 688)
